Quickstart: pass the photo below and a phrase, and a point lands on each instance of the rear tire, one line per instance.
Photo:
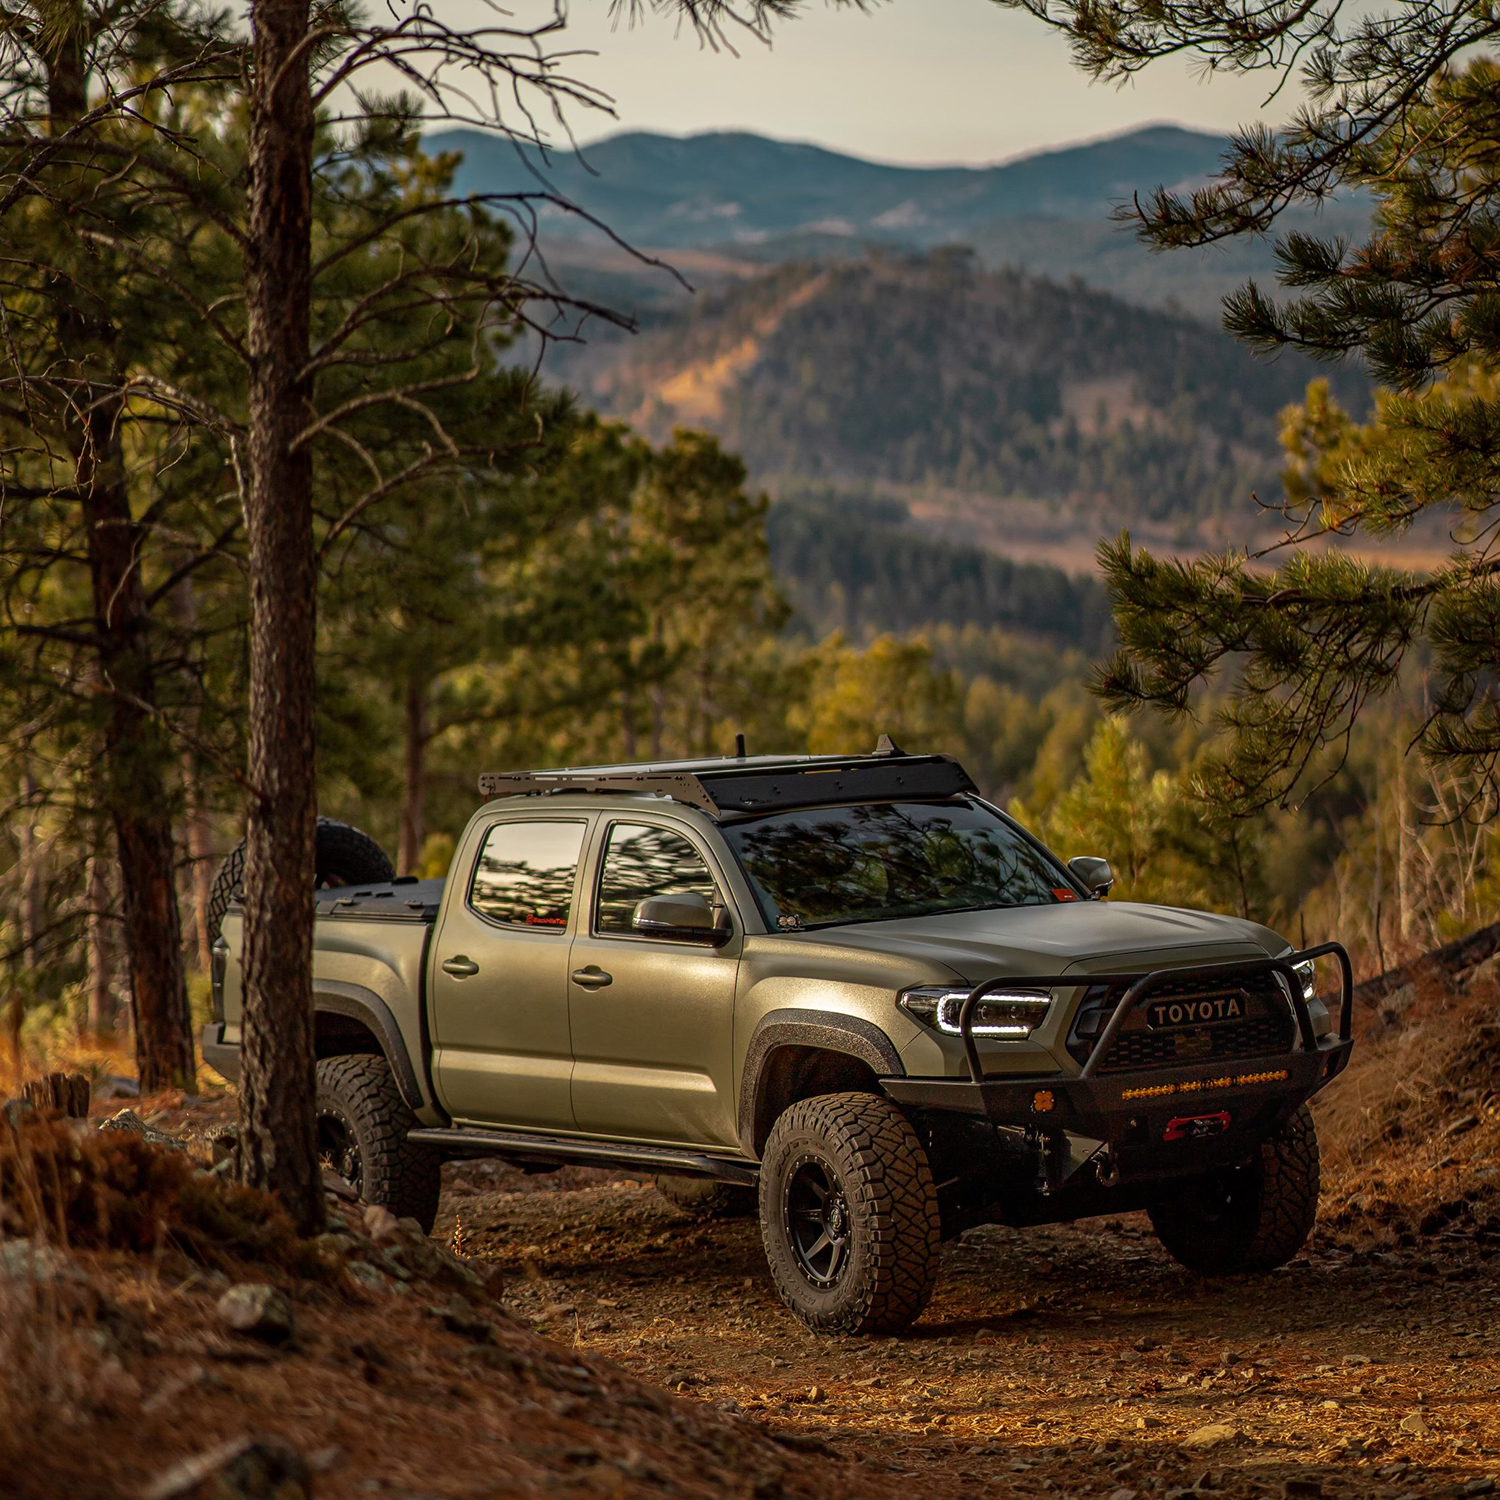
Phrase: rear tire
(1249, 1218)
(362, 1127)
(704, 1198)
(849, 1214)
(345, 856)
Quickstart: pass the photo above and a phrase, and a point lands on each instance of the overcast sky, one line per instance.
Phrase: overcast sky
(911, 81)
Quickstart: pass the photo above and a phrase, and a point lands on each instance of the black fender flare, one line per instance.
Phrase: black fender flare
(335, 997)
(823, 1030)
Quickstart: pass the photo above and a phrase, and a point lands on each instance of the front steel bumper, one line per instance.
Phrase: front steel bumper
(1146, 1121)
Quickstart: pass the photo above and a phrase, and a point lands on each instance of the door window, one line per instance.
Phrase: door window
(642, 861)
(525, 874)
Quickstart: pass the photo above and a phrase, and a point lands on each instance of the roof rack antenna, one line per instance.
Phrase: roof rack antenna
(739, 746)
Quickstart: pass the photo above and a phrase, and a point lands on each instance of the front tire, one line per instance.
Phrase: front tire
(1253, 1217)
(849, 1214)
(362, 1127)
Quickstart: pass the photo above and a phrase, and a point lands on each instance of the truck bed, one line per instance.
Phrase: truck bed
(401, 900)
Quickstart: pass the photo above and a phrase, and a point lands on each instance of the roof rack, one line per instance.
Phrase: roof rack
(734, 787)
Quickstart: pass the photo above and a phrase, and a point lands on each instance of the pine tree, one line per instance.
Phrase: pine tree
(1309, 637)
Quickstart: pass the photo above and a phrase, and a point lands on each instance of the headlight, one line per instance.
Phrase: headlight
(1307, 972)
(1006, 1013)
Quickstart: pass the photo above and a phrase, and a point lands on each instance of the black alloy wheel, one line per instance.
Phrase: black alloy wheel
(849, 1214)
(817, 1220)
(338, 1149)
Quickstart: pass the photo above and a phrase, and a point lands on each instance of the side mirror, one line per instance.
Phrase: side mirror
(684, 917)
(1092, 873)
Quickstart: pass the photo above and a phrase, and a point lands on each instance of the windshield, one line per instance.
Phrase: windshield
(825, 865)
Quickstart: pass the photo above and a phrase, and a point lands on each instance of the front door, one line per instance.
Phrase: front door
(652, 1018)
(501, 1049)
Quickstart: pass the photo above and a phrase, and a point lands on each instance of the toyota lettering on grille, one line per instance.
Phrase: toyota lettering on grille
(1195, 1012)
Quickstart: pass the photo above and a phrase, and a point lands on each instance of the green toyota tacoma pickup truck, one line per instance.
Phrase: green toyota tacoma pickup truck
(843, 993)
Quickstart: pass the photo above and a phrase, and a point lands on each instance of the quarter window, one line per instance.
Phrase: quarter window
(526, 872)
(642, 861)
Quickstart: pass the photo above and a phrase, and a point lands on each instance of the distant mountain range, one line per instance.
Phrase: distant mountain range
(756, 201)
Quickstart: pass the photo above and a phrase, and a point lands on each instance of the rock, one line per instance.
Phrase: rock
(1480, 1487)
(368, 1276)
(1357, 1359)
(1123, 1493)
(16, 1112)
(680, 1379)
(380, 1223)
(30, 1260)
(246, 1468)
(1330, 1406)
(816, 1394)
(337, 1188)
(1229, 1357)
(1302, 1489)
(1143, 1423)
(258, 1311)
(457, 1318)
(1416, 1425)
(1212, 1436)
(127, 1119)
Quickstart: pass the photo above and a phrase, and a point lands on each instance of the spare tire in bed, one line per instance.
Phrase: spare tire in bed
(345, 856)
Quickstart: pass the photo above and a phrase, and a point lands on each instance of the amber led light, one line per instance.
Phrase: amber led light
(1197, 1085)
(1042, 1101)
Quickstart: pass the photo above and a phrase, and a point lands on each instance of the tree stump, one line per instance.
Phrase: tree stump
(65, 1094)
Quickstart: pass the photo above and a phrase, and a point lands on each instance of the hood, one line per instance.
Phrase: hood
(1094, 936)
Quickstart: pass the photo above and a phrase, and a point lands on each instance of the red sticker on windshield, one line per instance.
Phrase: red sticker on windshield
(1063, 894)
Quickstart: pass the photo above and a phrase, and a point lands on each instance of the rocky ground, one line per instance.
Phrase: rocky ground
(1076, 1360)
(588, 1338)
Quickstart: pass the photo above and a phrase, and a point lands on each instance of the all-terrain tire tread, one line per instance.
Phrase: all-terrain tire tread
(342, 851)
(885, 1172)
(403, 1177)
(1289, 1204)
(1285, 1211)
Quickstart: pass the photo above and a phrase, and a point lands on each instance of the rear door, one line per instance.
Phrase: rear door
(652, 1018)
(501, 1048)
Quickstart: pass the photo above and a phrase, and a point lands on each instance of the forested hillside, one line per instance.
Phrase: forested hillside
(930, 371)
(852, 562)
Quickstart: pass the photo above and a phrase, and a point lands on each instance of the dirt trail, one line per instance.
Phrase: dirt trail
(1073, 1360)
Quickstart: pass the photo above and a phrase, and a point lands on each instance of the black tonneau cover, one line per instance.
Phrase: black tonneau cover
(399, 900)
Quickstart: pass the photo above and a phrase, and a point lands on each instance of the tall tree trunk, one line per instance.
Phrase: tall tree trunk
(199, 826)
(101, 1000)
(135, 750)
(277, 1088)
(29, 854)
(200, 858)
(414, 790)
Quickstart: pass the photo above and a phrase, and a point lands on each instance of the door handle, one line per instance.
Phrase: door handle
(460, 967)
(592, 978)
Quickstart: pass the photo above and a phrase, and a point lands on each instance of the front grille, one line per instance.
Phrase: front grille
(1266, 1028)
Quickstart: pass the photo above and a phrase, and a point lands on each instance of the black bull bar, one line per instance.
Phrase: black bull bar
(1210, 1108)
